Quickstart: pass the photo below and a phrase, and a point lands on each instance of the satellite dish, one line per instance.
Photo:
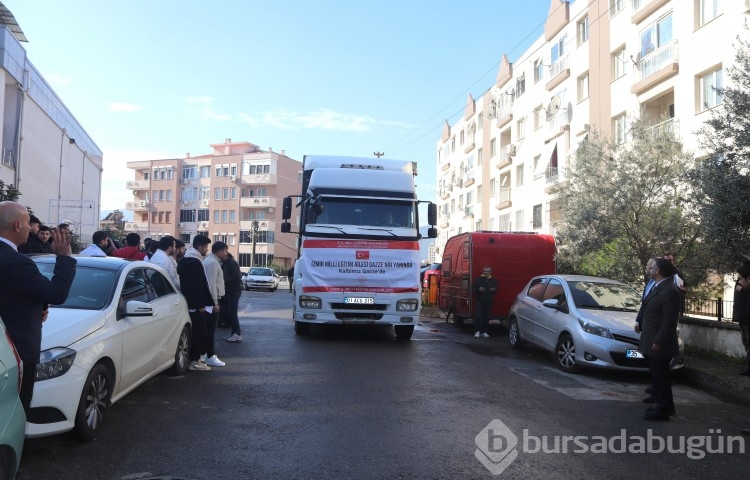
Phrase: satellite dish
(554, 105)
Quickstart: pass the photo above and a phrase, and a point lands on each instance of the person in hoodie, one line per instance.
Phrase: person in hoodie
(198, 295)
(132, 249)
(485, 288)
(163, 257)
(215, 276)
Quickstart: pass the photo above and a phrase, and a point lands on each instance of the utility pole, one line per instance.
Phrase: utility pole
(378, 154)
(255, 240)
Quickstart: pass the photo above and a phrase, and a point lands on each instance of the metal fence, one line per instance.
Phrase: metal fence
(714, 309)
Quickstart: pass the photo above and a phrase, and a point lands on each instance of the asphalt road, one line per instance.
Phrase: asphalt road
(356, 403)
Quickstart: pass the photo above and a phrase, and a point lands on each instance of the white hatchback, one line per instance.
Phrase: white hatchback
(261, 278)
(122, 323)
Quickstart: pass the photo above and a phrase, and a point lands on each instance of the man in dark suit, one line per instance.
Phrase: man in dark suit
(661, 311)
(25, 293)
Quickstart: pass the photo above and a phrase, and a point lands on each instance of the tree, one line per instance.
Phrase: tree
(622, 203)
(8, 192)
(722, 180)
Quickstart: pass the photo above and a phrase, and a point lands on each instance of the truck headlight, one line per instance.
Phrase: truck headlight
(307, 301)
(410, 305)
(594, 328)
(54, 362)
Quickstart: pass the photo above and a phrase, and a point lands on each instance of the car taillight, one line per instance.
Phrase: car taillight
(18, 359)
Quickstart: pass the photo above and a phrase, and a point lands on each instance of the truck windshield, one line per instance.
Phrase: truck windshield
(360, 212)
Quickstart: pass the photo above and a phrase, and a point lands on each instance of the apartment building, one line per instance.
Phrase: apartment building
(597, 63)
(46, 154)
(233, 194)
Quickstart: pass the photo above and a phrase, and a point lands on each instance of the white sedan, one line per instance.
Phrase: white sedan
(123, 323)
(261, 278)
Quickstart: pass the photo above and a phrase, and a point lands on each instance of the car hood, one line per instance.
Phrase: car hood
(65, 326)
(611, 319)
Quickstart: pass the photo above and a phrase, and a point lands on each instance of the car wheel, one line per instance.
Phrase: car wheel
(514, 334)
(94, 403)
(565, 354)
(181, 355)
(301, 328)
(404, 332)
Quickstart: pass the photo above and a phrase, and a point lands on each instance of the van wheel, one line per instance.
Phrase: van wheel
(514, 334)
(404, 332)
(565, 354)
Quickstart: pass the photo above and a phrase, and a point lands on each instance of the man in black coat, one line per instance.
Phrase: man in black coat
(232, 294)
(485, 288)
(661, 312)
(25, 293)
(194, 286)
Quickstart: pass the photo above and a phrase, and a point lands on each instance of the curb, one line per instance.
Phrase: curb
(735, 391)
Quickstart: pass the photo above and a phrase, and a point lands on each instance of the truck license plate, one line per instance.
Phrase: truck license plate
(633, 354)
(365, 300)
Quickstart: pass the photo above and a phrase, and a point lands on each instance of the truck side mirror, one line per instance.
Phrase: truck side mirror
(286, 209)
(432, 214)
(286, 227)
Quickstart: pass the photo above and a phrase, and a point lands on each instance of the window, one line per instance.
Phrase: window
(493, 187)
(503, 222)
(225, 193)
(558, 50)
(709, 84)
(217, 216)
(539, 117)
(232, 216)
(519, 220)
(493, 148)
(709, 9)
(538, 70)
(224, 216)
(479, 157)
(520, 85)
(203, 214)
(583, 30)
(233, 193)
(521, 129)
(618, 64)
(583, 87)
(621, 128)
(519, 175)
(205, 171)
(188, 171)
(159, 283)
(135, 288)
(537, 217)
(187, 216)
(217, 193)
(656, 35)
(615, 6)
(461, 137)
(218, 171)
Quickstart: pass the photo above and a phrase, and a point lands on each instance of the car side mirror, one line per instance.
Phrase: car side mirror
(555, 304)
(134, 308)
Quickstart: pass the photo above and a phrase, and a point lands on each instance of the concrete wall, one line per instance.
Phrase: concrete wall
(712, 335)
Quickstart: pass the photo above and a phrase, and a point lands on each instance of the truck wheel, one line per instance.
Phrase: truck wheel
(514, 334)
(404, 332)
(301, 328)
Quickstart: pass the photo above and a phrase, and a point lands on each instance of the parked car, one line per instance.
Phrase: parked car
(261, 278)
(586, 321)
(122, 323)
(12, 418)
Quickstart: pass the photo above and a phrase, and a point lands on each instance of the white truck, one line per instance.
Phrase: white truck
(358, 248)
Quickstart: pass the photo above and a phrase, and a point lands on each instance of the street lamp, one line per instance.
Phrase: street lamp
(255, 239)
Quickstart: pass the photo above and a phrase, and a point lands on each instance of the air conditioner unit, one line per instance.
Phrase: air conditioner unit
(263, 225)
(203, 225)
(143, 203)
(180, 225)
(185, 181)
(205, 203)
(512, 150)
(270, 209)
(232, 178)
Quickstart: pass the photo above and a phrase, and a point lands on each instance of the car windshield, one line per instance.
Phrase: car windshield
(91, 288)
(605, 296)
(263, 272)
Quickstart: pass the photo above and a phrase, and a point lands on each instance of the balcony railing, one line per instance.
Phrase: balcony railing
(658, 59)
(671, 125)
(259, 178)
(560, 65)
(138, 184)
(137, 205)
(8, 159)
(258, 202)
(262, 225)
(136, 226)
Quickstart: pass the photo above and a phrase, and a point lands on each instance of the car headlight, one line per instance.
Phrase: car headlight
(54, 362)
(594, 328)
(409, 305)
(307, 301)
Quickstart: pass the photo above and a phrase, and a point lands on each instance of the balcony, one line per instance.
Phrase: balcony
(136, 226)
(258, 202)
(506, 156)
(137, 206)
(262, 225)
(138, 184)
(503, 198)
(671, 125)
(656, 67)
(560, 71)
(260, 248)
(258, 179)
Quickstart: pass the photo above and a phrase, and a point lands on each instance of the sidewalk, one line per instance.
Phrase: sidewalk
(706, 371)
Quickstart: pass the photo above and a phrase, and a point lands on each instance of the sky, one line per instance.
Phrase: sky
(152, 79)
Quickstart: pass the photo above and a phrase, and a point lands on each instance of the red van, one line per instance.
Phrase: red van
(514, 257)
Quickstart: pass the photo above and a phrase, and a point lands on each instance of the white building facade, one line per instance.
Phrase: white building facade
(598, 63)
(46, 153)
